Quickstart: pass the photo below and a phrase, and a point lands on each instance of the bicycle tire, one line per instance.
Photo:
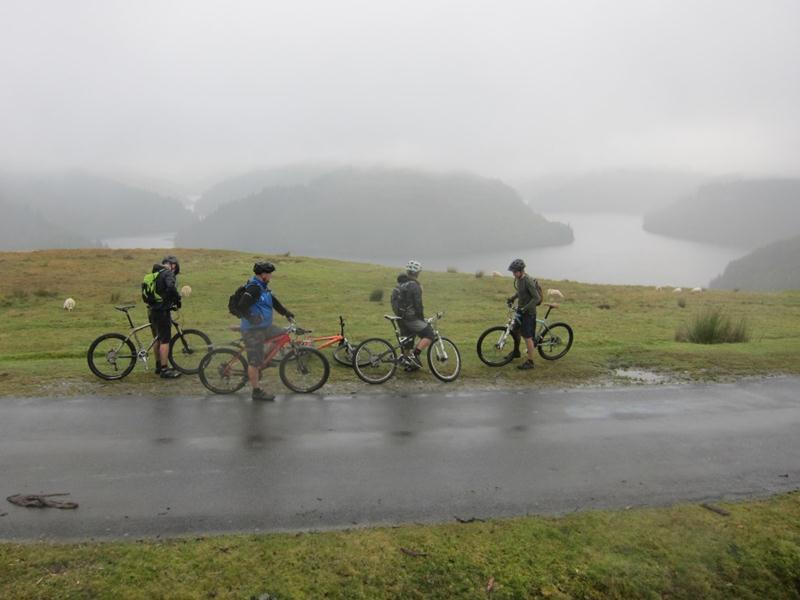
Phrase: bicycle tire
(344, 355)
(493, 346)
(554, 341)
(441, 353)
(112, 356)
(375, 361)
(192, 346)
(223, 371)
(304, 370)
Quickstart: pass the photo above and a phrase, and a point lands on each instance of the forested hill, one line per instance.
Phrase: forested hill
(252, 182)
(742, 213)
(23, 229)
(774, 267)
(378, 212)
(94, 207)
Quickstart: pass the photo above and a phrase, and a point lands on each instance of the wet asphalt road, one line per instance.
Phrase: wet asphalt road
(192, 465)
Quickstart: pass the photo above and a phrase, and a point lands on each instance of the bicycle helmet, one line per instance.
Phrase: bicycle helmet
(413, 266)
(263, 267)
(172, 260)
(517, 265)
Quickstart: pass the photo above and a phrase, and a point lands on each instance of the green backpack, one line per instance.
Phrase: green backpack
(149, 294)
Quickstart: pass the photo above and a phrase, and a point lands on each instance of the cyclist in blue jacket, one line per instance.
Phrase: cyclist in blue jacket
(258, 303)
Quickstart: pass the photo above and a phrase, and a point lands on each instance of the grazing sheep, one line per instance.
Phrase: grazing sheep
(659, 288)
(69, 304)
(698, 289)
(677, 290)
(496, 274)
(186, 291)
(552, 292)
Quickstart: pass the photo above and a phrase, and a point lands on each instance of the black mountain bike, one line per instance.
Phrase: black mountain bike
(552, 340)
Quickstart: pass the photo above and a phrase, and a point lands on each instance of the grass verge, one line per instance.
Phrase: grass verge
(683, 551)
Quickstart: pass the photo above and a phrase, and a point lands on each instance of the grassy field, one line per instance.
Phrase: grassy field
(42, 347)
(679, 552)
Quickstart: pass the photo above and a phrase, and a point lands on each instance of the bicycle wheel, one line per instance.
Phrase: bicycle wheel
(495, 346)
(375, 361)
(111, 356)
(554, 341)
(223, 371)
(187, 349)
(304, 370)
(344, 355)
(444, 359)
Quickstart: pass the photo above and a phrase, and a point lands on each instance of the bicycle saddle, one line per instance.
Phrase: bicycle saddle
(125, 307)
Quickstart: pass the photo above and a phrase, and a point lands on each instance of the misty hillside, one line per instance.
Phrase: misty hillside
(620, 191)
(742, 213)
(23, 229)
(248, 184)
(775, 267)
(94, 207)
(379, 212)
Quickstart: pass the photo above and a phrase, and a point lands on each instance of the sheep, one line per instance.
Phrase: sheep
(496, 274)
(677, 290)
(69, 304)
(697, 289)
(659, 288)
(553, 292)
(186, 291)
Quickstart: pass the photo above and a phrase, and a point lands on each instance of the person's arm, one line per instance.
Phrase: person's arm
(170, 292)
(251, 294)
(416, 295)
(510, 299)
(280, 308)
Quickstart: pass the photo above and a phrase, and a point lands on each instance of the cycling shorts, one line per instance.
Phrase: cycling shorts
(526, 324)
(160, 324)
(254, 342)
(416, 327)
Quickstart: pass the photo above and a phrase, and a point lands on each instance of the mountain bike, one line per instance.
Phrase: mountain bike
(302, 369)
(552, 341)
(113, 356)
(376, 360)
(345, 350)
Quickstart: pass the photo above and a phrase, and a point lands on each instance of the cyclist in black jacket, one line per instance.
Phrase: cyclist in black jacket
(159, 306)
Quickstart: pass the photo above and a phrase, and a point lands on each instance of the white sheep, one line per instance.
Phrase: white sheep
(496, 274)
(697, 289)
(677, 290)
(186, 291)
(659, 288)
(69, 304)
(554, 292)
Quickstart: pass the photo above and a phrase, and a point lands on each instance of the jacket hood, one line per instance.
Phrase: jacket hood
(402, 278)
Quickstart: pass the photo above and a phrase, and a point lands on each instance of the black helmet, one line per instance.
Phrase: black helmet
(517, 265)
(172, 260)
(263, 267)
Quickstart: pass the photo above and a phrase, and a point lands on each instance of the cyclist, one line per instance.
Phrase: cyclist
(160, 293)
(526, 311)
(413, 322)
(258, 303)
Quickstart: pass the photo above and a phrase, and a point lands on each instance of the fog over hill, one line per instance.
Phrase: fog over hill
(633, 191)
(378, 212)
(740, 213)
(773, 267)
(93, 207)
(24, 229)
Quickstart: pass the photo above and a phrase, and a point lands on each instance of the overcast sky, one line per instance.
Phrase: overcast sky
(193, 89)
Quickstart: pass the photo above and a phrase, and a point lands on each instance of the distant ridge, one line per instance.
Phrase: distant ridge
(775, 267)
(378, 212)
(23, 229)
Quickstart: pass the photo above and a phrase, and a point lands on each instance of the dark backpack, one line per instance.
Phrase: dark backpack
(400, 299)
(234, 300)
(539, 293)
(149, 294)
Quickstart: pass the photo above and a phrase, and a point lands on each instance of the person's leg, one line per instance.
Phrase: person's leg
(526, 330)
(164, 327)
(254, 341)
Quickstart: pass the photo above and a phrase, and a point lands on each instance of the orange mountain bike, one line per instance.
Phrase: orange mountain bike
(302, 369)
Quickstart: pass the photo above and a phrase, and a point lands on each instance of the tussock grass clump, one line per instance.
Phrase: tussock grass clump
(712, 326)
(376, 295)
(479, 274)
(45, 294)
(682, 302)
(452, 269)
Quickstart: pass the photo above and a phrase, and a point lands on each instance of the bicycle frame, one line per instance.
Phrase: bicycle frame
(405, 343)
(142, 352)
(513, 320)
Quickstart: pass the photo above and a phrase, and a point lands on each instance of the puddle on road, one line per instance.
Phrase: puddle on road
(641, 376)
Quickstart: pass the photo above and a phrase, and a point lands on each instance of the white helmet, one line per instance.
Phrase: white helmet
(413, 266)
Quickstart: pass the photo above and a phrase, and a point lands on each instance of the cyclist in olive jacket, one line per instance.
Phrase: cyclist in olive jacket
(526, 311)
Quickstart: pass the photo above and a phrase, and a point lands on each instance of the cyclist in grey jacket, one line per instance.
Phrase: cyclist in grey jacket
(414, 322)
(528, 299)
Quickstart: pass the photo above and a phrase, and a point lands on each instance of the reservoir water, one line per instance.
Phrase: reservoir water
(608, 248)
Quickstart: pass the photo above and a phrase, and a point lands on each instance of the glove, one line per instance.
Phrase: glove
(289, 315)
(509, 302)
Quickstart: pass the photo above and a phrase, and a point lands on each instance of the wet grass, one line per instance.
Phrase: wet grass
(41, 344)
(681, 552)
